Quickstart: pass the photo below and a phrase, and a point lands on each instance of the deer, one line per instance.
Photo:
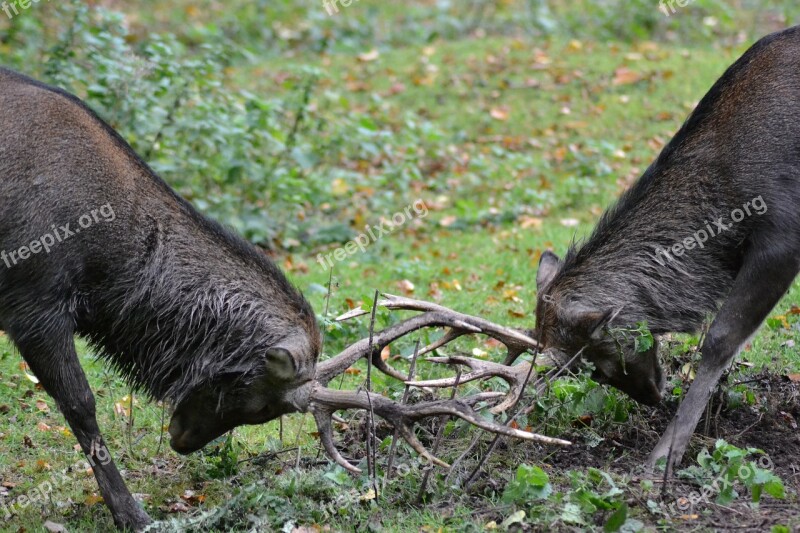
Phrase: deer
(711, 228)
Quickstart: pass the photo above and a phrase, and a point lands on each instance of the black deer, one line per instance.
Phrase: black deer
(95, 244)
(713, 226)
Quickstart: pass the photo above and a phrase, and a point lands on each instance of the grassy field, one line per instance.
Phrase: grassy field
(516, 131)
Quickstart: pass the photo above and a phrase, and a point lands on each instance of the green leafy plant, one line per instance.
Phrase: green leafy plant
(223, 461)
(720, 471)
(529, 483)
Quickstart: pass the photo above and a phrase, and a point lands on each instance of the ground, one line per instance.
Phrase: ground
(516, 134)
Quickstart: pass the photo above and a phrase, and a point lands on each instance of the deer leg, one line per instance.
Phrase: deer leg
(52, 357)
(760, 284)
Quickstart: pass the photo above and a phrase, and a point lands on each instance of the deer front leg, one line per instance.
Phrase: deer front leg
(53, 359)
(758, 287)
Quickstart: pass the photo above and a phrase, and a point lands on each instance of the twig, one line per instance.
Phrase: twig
(393, 448)
(463, 456)
(266, 455)
(168, 120)
(298, 120)
(161, 434)
(371, 440)
(297, 443)
(129, 429)
(751, 426)
(438, 441)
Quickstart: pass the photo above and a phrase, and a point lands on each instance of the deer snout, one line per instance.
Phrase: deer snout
(180, 439)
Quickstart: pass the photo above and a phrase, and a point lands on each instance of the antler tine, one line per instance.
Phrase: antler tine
(449, 336)
(515, 376)
(472, 324)
(323, 419)
(434, 315)
(323, 402)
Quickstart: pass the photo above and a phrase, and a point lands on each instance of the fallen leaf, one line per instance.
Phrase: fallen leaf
(447, 221)
(406, 287)
(369, 495)
(477, 352)
(499, 113)
(530, 222)
(625, 76)
(193, 498)
(372, 55)
(54, 527)
(339, 187)
(42, 406)
(92, 500)
(178, 507)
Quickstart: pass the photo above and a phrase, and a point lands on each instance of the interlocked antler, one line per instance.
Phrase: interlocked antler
(323, 402)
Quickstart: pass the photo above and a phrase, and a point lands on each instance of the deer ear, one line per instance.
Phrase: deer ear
(280, 363)
(548, 268)
(592, 322)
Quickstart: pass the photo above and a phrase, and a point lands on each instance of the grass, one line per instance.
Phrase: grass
(517, 139)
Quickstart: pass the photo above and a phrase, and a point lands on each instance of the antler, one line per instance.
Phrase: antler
(434, 315)
(323, 402)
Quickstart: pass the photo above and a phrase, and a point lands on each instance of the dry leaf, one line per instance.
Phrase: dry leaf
(499, 113)
(406, 287)
(447, 221)
(92, 500)
(625, 76)
(54, 527)
(372, 55)
(178, 507)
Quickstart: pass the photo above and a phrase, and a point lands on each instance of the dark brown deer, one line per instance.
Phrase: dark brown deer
(93, 243)
(713, 226)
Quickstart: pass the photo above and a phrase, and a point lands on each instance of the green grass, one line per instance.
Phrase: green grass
(506, 137)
